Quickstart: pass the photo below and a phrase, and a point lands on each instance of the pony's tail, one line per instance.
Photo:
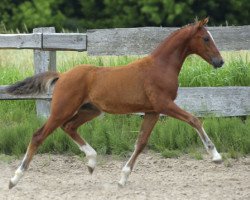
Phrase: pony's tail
(38, 84)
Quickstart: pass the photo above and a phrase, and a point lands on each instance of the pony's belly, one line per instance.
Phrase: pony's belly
(125, 109)
(123, 106)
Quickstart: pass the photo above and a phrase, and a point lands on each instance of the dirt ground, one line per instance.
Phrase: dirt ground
(67, 177)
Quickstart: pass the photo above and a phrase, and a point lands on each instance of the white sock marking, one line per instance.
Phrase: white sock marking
(124, 175)
(126, 170)
(19, 172)
(90, 154)
(18, 175)
(215, 155)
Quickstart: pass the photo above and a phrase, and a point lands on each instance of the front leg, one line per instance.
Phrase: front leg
(172, 110)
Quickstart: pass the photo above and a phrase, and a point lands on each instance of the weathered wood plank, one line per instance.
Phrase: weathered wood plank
(201, 101)
(120, 41)
(139, 41)
(21, 41)
(125, 41)
(231, 37)
(65, 41)
(216, 101)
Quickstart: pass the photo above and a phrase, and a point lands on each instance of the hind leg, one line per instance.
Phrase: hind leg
(39, 136)
(86, 113)
(63, 108)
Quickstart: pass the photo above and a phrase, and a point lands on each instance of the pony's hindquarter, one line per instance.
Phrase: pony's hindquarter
(67, 111)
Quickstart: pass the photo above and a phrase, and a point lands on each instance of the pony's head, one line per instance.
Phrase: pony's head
(202, 44)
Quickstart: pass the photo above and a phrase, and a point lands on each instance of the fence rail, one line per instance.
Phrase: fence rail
(45, 41)
(219, 101)
(120, 41)
(214, 101)
(139, 41)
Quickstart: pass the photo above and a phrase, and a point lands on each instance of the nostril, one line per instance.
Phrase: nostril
(222, 62)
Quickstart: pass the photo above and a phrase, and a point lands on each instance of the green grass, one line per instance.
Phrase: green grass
(18, 64)
(235, 72)
(117, 134)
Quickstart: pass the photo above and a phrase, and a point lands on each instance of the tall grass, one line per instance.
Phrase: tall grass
(117, 134)
(235, 72)
(18, 64)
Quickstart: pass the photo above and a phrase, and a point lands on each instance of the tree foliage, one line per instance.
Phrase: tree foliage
(86, 14)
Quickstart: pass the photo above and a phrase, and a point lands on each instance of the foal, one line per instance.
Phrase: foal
(147, 85)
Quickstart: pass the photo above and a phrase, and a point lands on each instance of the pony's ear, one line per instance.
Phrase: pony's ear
(203, 22)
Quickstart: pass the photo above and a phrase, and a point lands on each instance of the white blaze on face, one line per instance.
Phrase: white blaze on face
(211, 36)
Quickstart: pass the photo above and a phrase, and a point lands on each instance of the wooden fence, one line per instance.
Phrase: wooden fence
(217, 101)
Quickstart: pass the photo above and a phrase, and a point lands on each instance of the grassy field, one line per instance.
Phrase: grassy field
(117, 134)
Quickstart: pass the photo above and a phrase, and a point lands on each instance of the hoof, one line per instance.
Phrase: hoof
(91, 170)
(11, 185)
(120, 184)
(218, 161)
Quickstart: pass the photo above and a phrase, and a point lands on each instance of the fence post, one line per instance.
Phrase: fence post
(44, 61)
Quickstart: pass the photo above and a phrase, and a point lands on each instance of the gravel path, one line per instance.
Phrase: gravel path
(67, 177)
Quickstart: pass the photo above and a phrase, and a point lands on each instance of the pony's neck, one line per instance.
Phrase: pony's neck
(173, 50)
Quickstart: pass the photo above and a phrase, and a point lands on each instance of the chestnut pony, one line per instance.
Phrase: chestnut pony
(147, 85)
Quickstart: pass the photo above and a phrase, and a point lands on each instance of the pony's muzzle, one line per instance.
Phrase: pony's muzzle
(217, 62)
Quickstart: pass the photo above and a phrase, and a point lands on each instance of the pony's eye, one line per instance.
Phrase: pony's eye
(206, 39)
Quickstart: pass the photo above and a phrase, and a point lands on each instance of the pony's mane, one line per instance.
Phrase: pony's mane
(183, 27)
(171, 36)
(177, 31)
